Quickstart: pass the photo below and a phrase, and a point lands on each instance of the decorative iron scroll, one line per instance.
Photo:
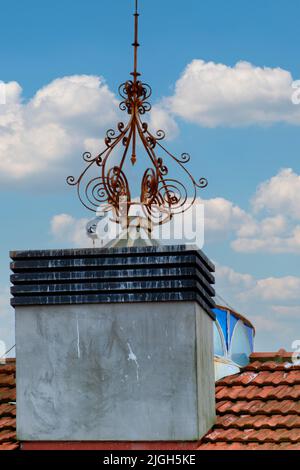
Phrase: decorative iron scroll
(161, 196)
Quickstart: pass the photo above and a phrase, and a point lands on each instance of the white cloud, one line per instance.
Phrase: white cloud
(237, 282)
(69, 98)
(267, 227)
(45, 135)
(281, 194)
(213, 94)
(275, 288)
(223, 216)
(272, 225)
(68, 230)
(161, 119)
(269, 244)
(272, 234)
(287, 311)
(280, 232)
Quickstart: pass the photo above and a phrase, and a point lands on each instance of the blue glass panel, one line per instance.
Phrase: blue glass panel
(250, 336)
(240, 345)
(218, 343)
(232, 322)
(222, 319)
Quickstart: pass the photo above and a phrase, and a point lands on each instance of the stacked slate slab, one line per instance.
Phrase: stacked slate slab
(120, 275)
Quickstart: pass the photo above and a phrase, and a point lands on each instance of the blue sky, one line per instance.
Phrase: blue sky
(252, 136)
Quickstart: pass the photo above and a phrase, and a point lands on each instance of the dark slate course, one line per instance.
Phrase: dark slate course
(95, 275)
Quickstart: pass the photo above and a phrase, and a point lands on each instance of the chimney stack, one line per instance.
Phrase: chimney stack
(114, 344)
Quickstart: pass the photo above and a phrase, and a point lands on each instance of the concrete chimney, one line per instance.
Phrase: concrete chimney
(114, 344)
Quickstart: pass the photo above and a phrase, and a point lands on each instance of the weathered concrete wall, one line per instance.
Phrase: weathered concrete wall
(205, 372)
(114, 372)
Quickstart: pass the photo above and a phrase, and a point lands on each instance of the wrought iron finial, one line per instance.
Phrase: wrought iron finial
(161, 195)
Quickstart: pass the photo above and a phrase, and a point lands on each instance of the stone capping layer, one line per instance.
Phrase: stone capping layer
(119, 275)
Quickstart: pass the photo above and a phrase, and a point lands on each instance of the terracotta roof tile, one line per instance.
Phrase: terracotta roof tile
(254, 435)
(8, 368)
(263, 392)
(248, 446)
(253, 407)
(7, 422)
(271, 365)
(258, 421)
(277, 377)
(7, 395)
(259, 408)
(7, 435)
(7, 410)
(9, 446)
(7, 380)
(7, 407)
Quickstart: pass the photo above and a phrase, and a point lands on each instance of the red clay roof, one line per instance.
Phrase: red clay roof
(259, 408)
(7, 406)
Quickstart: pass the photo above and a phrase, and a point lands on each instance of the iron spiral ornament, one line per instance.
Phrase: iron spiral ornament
(161, 196)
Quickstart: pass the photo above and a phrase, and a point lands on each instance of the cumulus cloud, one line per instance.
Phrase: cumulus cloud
(269, 244)
(281, 193)
(42, 136)
(271, 225)
(69, 230)
(160, 118)
(275, 219)
(257, 230)
(223, 216)
(285, 311)
(227, 277)
(212, 94)
(275, 288)
(267, 227)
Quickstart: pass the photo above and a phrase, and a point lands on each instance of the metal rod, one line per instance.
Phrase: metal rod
(135, 43)
(135, 75)
(133, 155)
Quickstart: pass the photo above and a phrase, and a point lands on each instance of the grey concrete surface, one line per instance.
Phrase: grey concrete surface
(114, 372)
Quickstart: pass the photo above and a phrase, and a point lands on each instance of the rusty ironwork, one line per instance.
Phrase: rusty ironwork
(161, 196)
